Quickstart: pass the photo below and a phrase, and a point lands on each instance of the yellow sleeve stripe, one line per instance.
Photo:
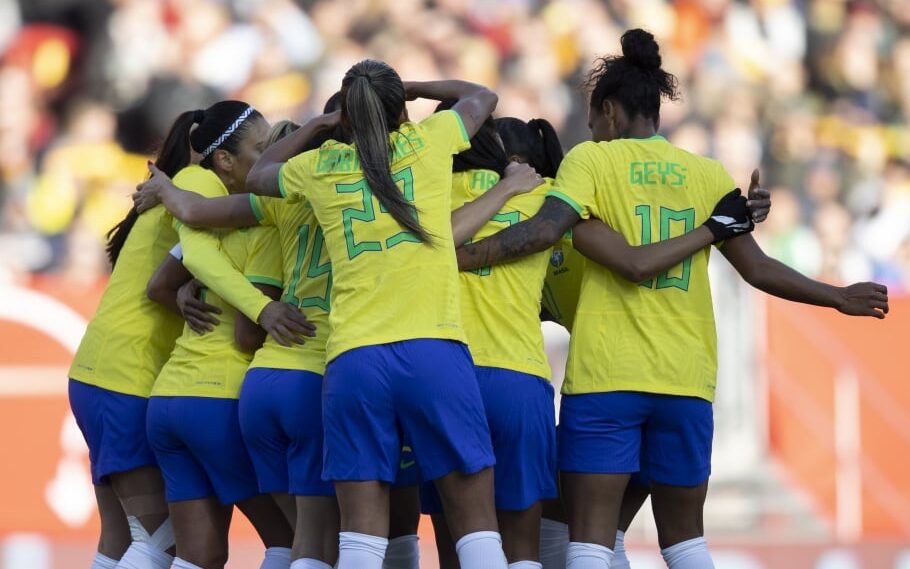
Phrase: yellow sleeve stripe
(281, 189)
(254, 205)
(264, 281)
(464, 131)
(559, 195)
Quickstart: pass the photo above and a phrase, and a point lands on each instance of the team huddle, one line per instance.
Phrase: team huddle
(335, 326)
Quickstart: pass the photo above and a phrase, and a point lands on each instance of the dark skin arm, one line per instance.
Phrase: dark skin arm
(263, 177)
(475, 103)
(173, 286)
(248, 335)
(777, 279)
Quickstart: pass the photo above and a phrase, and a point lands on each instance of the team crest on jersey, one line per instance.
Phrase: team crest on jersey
(557, 258)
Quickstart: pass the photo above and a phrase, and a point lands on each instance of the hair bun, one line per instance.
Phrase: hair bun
(640, 49)
(198, 116)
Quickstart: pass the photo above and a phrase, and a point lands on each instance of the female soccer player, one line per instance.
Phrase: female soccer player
(642, 363)
(126, 343)
(193, 425)
(396, 354)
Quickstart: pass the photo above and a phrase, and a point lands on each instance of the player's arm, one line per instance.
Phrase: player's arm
(203, 258)
(605, 246)
(263, 178)
(248, 335)
(469, 218)
(474, 103)
(777, 279)
(533, 235)
(174, 287)
(191, 208)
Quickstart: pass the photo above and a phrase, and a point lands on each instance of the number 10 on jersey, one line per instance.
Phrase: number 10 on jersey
(667, 218)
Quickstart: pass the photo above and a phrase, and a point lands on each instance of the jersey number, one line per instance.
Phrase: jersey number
(667, 216)
(405, 180)
(314, 269)
(508, 218)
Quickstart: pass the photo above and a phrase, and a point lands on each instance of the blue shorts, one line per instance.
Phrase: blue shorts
(620, 431)
(281, 420)
(113, 425)
(424, 390)
(522, 418)
(200, 449)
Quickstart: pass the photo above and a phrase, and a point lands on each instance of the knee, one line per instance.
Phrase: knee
(212, 557)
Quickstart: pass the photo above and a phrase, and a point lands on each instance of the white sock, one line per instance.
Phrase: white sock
(360, 551)
(141, 555)
(276, 558)
(481, 550)
(620, 561)
(102, 561)
(182, 564)
(525, 565)
(403, 553)
(307, 563)
(588, 556)
(689, 554)
(554, 539)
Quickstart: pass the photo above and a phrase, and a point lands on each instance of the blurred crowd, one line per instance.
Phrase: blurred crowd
(815, 92)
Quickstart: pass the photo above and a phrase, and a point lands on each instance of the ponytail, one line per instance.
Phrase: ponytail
(173, 157)
(371, 102)
(534, 142)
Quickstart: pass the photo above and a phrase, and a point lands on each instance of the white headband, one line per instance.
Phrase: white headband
(226, 134)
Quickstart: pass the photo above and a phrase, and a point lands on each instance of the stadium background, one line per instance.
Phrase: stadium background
(813, 428)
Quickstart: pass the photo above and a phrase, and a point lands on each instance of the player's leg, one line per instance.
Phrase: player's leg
(404, 515)
(141, 494)
(636, 493)
(201, 529)
(599, 446)
(554, 534)
(445, 545)
(362, 448)
(679, 437)
(442, 413)
(115, 531)
(273, 529)
(521, 415)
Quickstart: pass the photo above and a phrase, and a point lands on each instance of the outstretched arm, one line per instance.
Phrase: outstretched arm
(475, 103)
(263, 178)
(191, 208)
(530, 236)
(777, 279)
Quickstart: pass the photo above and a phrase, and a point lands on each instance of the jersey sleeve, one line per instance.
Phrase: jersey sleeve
(575, 181)
(202, 256)
(265, 209)
(293, 178)
(201, 181)
(446, 128)
(263, 259)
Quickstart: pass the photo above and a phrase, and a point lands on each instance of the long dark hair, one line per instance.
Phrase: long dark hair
(175, 153)
(486, 152)
(372, 100)
(338, 133)
(635, 79)
(535, 142)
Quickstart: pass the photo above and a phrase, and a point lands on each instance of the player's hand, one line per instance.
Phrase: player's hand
(285, 323)
(196, 312)
(759, 203)
(730, 217)
(520, 178)
(864, 299)
(148, 193)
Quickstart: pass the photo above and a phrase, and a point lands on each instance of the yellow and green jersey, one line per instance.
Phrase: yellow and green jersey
(307, 281)
(500, 305)
(211, 364)
(130, 337)
(387, 286)
(656, 336)
(562, 285)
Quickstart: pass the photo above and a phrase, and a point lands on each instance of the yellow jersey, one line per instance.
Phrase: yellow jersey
(307, 281)
(562, 284)
(130, 337)
(500, 305)
(200, 249)
(211, 364)
(656, 336)
(387, 286)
